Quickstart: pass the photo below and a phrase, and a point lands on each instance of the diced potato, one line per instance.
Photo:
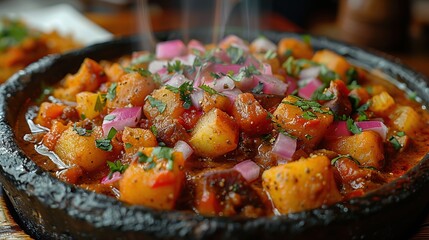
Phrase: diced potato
(251, 117)
(366, 147)
(132, 89)
(305, 184)
(382, 104)
(48, 112)
(74, 149)
(89, 78)
(333, 62)
(215, 134)
(135, 138)
(86, 104)
(114, 72)
(294, 47)
(163, 98)
(156, 187)
(211, 101)
(291, 118)
(406, 119)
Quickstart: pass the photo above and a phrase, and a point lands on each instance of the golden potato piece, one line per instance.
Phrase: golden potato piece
(135, 138)
(215, 134)
(86, 104)
(301, 185)
(75, 149)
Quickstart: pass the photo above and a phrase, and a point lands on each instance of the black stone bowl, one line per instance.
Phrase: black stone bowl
(51, 209)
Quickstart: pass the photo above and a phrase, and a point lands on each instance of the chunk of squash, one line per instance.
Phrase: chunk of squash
(251, 117)
(135, 138)
(132, 89)
(294, 47)
(86, 104)
(75, 149)
(333, 62)
(48, 112)
(114, 72)
(215, 134)
(292, 119)
(366, 147)
(305, 184)
(211, 101)
(382, 104)
(156, 187)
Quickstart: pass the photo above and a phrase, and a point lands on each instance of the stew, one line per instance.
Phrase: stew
(229, 129)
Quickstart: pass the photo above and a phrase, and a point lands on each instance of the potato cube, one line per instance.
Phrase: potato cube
(406, 119)
(135, 138)
(163, 102)
(305, 184)
(251, 117)
(215, 134)
(132, 89)
(300, 123)
(154, 186)
(86, 104)
(75, 149)
(211, 101)
(382, 104)
(366, 147)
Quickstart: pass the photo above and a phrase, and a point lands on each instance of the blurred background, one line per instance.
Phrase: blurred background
(398, 27)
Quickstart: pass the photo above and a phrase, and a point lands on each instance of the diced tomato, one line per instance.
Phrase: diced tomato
(50, 139)
(341, 86)
(164, 178)
(190, 117)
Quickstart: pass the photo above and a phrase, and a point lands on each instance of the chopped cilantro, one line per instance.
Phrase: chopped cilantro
(320, 95)
(158, 154)
(158, 104)
(258, 88)
(412, 95)
(352, 75)
(100, 102)
(400, 134)
(395, 143)
(143, 72)
(81, 131)
(309, 105)
(111, 92)
(208, 89)
(352, 127)
(116, 166)
(106, 143)
(185, 91)
(83, 116)
(215, 75)
(353, 85)
(334, 160)
(327, 75)
(308, 136)
(12, 32)
(306, 38)
(308, 115)
(354, 100)
(270, 54)
(236, 55)
(128, 145)
(154, 130)
(288, 53)
(176, 66)
(143, 58)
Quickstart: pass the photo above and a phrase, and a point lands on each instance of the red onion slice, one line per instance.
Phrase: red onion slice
(248, 169)
(197, 98)
(184, 148)
(222, 84)
(121, 118)
(232, 94)
(266, 69)
(157, 65)
(114, 178)
(284, 146)
(177, 80)
(338, 129)
(232, 40)
(225, 69)
(292, 85)
(170, 49)
(272, 85)
(307, 91)
(375, 126)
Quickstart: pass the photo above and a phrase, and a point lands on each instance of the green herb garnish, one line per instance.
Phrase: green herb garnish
(81, 131)
(176, 66)
(143, 72)
(395, 143)
(270, 54)
(258, 89)
(185, 91)
(128, 145)
(352, 127)
(111, 92)
(158, 104)
(208, 89)
(352, 75)
(106, 143)
(100, 103)
(116, 166)
(306, 105)
(236, 55)
(154, 130)
(308, 115)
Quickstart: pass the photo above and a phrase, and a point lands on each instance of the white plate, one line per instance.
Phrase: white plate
(66, 20)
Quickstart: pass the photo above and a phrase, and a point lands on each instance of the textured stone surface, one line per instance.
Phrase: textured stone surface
(51, 209)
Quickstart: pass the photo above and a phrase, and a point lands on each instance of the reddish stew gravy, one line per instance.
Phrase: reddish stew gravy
(257, 127)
